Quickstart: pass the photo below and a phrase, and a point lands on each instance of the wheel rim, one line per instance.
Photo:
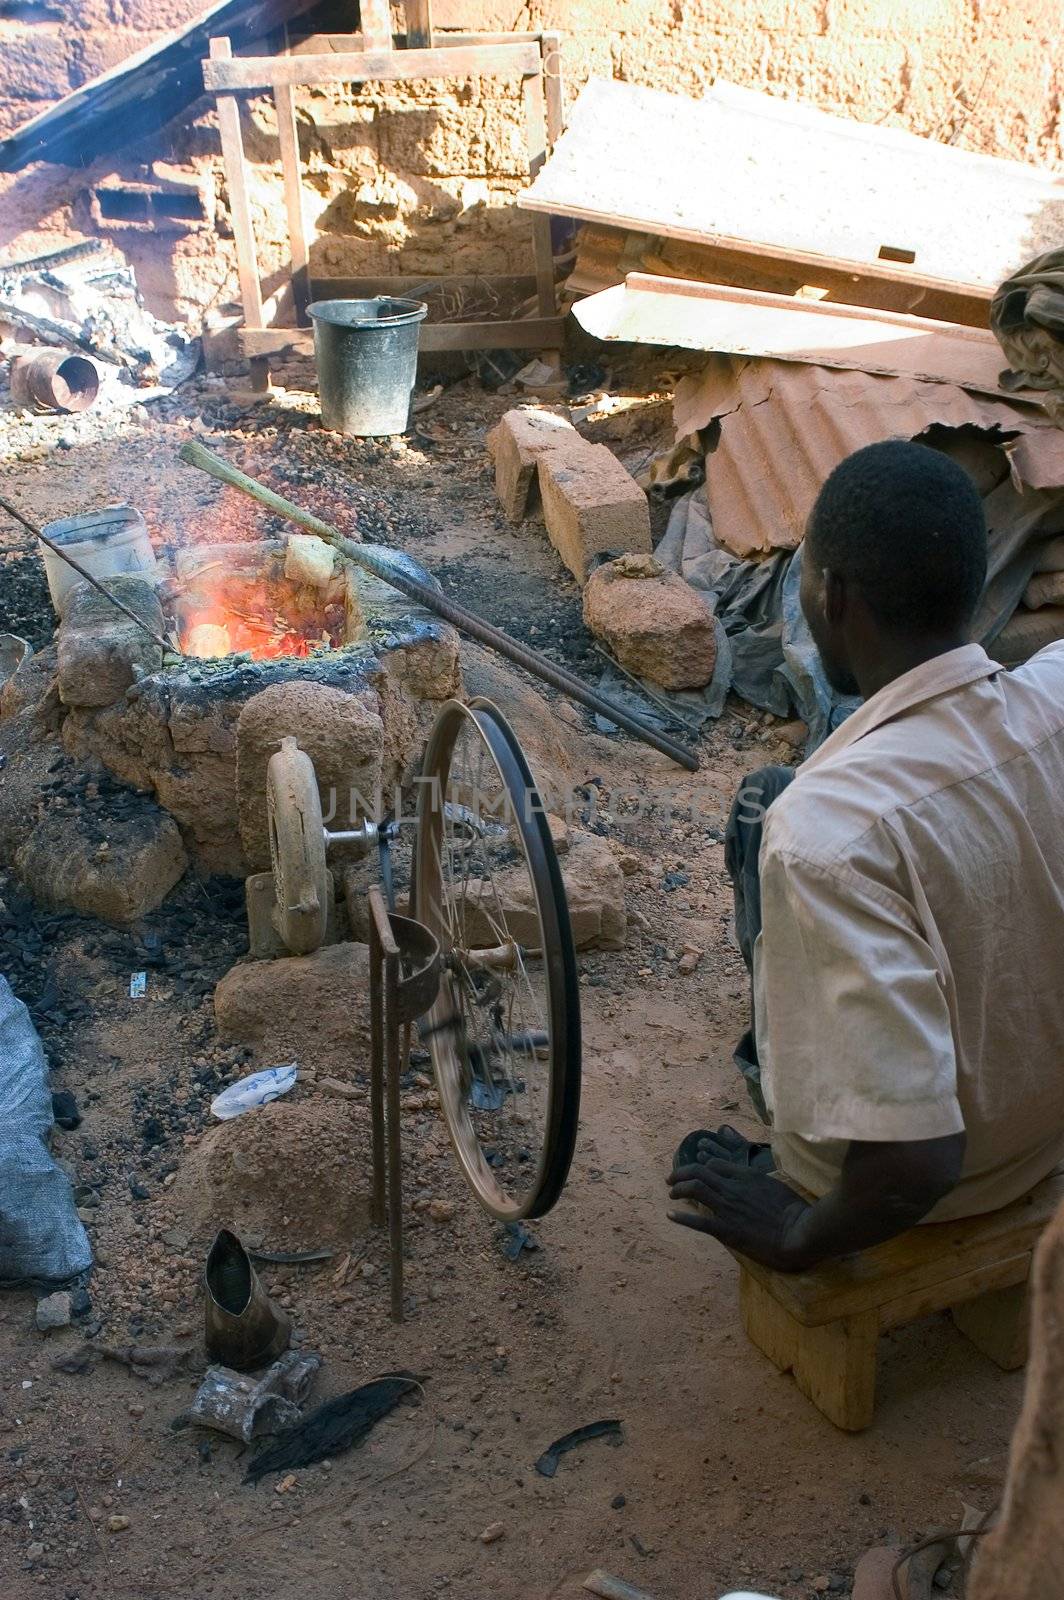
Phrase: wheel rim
(504, 1033)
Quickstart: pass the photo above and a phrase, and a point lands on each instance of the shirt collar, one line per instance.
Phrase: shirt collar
(941, 675)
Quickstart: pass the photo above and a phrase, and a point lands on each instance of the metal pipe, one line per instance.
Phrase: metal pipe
(391, 572)
(54, 380)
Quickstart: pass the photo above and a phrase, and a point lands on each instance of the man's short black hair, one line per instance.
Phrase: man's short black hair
(905, 525)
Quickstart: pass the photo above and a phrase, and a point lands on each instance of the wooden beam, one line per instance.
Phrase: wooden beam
(519, 287)
(236, 183)
(473, 61)
(376, 19)
(418, 24)
(551, 46)
(536, 136)
(333, 43)
(288, 135)
(532, 333)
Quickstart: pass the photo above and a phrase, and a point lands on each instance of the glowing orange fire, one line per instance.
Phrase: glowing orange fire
(220, 630)
(234, 605)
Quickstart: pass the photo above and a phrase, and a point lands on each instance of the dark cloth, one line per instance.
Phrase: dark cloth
(1027, 317)
(742, 854)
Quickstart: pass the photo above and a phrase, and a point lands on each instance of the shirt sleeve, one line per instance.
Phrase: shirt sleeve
(853, 1028)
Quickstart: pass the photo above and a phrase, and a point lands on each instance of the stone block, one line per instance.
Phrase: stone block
(300, 1006)
(516, 444)
(594, 889)
(341, 733)
(34, 61)
(101, 652)
(656, 625)
(116, 868)
(591, 505)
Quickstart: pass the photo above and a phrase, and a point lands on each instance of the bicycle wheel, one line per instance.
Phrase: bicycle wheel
(504, 1033)
(297, 849)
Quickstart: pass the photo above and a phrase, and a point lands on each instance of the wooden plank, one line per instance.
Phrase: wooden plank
(518, 286)
(836, 1369)
(418, 24)
(239, 205)
(954, 1292)
(288, 136)
(376, 19)
(533, 333)
(551, 46)
(473, 61)
(916, 1260)
(797, 182)
(536, 137)
(323, 43)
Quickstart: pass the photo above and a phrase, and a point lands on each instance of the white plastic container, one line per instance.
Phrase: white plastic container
(106, 543)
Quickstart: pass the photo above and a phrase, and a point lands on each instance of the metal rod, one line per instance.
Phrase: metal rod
(386, 950)
(164, 644)
(376, 1070)
(395, 1140)
(655, 699)
(389, 572)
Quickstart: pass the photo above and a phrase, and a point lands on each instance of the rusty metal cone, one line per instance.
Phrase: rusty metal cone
(245, 1330)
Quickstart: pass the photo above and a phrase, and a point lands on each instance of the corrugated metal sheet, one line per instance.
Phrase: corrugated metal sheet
(711, 316)
(783, 427)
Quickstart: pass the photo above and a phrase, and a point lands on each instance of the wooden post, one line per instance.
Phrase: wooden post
(551, 46)
(240, 214)
(418, 24)
(536, 136)
(376, 19)
(288, 135)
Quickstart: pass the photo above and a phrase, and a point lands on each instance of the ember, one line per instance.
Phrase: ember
(234, 600)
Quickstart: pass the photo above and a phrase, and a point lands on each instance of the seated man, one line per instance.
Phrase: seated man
(901, 902)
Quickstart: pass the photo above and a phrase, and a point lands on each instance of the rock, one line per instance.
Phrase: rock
(64, 862)
(101, 652)
(873, 1577)
(343, 735)
(822, 1583)
(493, 1533)
(34, 1552)
(594, 888)
(53, 1311)
(618, 1502)
(117, 1524)
(591, 505)
(516, 444)
(294, 1000)
(688, 962)
(793, 733)
(80, 1303)
(338, 1089)
(441, 1210)
(657, 625)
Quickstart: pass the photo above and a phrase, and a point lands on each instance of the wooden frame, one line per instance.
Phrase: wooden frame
(364, 57)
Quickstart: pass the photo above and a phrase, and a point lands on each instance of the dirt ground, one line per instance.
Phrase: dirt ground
(726, 1477)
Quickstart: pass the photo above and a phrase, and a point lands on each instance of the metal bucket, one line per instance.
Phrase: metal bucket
(106, 543)
(366, 355)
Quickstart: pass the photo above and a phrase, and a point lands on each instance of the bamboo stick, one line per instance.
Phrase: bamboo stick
(399, 571)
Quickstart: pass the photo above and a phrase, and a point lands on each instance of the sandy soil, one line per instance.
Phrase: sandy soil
(726, 1477)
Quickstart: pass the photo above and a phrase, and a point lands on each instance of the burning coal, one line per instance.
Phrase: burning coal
(266, 600)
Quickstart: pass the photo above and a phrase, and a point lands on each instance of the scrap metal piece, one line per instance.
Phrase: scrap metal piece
(245, 1408)
(547, 1465)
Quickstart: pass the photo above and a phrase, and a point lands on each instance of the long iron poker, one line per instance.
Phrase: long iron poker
(166, 645)
(393, 573)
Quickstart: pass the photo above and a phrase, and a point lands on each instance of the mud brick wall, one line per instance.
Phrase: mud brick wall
(419, 179)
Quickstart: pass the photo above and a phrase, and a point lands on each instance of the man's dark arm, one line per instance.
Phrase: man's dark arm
(882, 1190)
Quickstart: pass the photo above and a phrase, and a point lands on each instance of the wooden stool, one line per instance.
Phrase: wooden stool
(823, 1325)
